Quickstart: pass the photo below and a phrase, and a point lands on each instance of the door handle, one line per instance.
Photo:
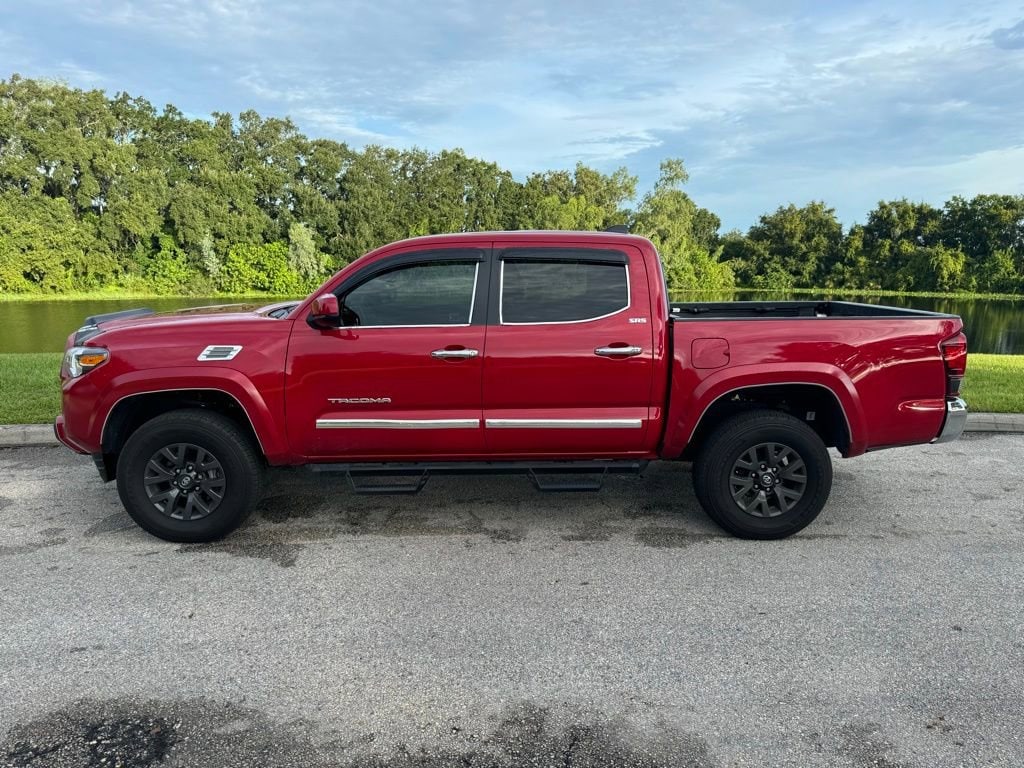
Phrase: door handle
(618, 351)
(457, 354)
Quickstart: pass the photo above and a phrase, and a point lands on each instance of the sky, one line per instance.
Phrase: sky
(766, 102)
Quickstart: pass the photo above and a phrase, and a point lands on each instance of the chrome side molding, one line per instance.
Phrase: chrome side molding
(563, 423)
(475, 423)
(397, 423)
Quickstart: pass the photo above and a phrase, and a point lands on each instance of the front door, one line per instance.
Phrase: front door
(570, 357)
(401, 378)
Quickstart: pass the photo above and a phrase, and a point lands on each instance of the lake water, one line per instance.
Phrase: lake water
(42, 326)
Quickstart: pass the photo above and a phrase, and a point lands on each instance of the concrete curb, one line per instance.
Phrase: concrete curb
(27, 435)
(995, 422)
(24, 435)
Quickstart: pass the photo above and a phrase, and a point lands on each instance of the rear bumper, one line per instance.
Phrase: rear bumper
(956, 420)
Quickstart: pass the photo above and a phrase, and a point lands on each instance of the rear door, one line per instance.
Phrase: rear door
(570, 359)
(402, 377)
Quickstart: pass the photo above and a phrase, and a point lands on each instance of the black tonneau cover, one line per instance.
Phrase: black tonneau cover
(736, 310)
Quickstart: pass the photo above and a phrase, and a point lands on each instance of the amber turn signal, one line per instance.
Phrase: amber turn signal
(79, 360)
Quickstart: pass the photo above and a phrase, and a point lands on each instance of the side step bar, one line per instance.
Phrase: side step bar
(412, 477)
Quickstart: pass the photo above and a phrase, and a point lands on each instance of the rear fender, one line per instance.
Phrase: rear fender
(687, 407)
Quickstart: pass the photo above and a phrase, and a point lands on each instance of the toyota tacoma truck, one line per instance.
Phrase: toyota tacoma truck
(556, 354)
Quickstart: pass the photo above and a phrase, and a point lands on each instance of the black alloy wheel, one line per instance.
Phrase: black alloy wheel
(185, 481)
(768, 479)
(190, 475)
(763, 474)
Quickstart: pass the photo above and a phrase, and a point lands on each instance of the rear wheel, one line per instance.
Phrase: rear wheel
(763, 474)
(190, 475)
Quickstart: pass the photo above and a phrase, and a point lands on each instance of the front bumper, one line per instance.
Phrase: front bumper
(956, 420)
(61, 434)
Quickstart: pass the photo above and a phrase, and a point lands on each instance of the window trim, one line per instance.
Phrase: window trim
(501, 292)
(395, 267)
(575, 254)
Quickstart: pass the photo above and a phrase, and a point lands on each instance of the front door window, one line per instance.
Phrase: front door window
(435, 293)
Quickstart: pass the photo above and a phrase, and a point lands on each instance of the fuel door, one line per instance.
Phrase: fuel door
(709, 353)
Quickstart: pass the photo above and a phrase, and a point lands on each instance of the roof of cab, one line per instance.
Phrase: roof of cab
(526, 236)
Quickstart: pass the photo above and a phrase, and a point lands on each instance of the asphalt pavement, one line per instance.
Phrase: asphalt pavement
(481, 623)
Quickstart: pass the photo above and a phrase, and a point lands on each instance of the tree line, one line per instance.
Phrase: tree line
(99, 192)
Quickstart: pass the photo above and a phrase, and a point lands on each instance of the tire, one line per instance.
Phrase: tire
(763, 474)
(174, 467)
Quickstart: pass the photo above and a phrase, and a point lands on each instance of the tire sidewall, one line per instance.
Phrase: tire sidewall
(719, 467)
(238, 490)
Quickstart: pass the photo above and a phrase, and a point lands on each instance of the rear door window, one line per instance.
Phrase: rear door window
(539, 290)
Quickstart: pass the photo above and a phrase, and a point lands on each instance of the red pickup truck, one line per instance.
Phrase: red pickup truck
(557, 354)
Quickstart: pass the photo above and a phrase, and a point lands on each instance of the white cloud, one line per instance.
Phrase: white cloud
(342, 125)
(997, 170)
(78, 75)
(197, 19)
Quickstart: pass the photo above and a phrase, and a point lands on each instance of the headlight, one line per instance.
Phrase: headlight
(79, 360)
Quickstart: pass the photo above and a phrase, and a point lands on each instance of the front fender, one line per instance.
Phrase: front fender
(265, 419)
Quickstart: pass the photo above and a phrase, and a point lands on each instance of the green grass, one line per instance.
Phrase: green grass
(995, 383)
(29, 388)
(30, 392)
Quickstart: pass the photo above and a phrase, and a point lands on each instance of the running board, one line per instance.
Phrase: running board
(549, 486)
(412, 477)
(358, 480)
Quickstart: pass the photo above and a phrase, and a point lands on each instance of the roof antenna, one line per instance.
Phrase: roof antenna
(621, 229)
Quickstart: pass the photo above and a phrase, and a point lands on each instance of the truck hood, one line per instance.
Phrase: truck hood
(145, 318)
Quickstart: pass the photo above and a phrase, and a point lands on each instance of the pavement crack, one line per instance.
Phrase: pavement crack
(567, 754)
(24, 754)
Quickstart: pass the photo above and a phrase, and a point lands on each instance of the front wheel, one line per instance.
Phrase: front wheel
(189, 476)
(763, 474)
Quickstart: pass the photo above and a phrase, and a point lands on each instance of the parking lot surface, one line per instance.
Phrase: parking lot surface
(481, 623)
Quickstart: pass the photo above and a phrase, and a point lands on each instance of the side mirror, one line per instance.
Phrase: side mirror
(325, 312)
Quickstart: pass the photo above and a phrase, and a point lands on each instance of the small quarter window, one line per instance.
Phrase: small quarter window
(561, 291)
(431, 293)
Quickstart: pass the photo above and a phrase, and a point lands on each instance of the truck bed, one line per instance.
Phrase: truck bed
(749, 310)
(886, 360)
